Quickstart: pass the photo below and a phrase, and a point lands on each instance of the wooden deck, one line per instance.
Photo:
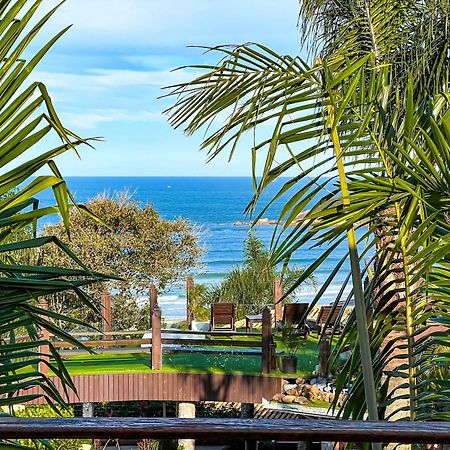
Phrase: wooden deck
(164, 386)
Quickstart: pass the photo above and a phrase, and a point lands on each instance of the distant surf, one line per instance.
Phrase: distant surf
(215, 204)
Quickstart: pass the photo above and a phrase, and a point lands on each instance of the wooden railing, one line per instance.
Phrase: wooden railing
(127, 341)
(228, 430)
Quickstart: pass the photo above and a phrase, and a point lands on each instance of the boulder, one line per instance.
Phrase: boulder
(301, 380)
(301, 400)
(289, 399)
(278, 397)
(293, 391)
(314, 390)
(288, 386)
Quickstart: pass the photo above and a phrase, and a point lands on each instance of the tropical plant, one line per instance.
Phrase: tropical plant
(370, 162)
(251, 286)
(292, 339)
(411, 36)
(27, 116)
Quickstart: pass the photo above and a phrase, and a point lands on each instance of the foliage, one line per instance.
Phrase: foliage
(251, 286)
(133, 242)
(27, 118)
(45, 411)
(291, 338)
(364, 151)
(200, 306)
(411, 36)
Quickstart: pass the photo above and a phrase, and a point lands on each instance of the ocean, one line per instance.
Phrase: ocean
(215, 204)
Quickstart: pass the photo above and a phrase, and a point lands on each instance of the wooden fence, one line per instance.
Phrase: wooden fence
(132, 341)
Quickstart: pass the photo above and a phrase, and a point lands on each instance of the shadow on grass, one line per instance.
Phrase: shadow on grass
(188, 362)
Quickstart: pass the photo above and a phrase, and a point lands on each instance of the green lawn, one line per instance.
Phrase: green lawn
(187, 362)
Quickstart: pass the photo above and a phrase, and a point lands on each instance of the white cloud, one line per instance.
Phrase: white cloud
(104, 79)
(95, 118)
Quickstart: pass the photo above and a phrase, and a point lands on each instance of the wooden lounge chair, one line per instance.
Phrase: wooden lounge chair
(295, 313)
(327, 318)
(223, 314)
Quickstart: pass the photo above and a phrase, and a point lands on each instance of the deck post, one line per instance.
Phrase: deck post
(152, 296)
(189, 289)
(324, 354)
(156, 338)
(107, 314)
(87, 409)
(278, 294)
(266, 356)
(186, 410)
(43, 349)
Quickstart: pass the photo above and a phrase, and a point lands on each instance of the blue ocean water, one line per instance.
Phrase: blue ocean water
(215, 204)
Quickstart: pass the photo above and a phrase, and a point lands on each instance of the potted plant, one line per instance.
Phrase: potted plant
(293, 340)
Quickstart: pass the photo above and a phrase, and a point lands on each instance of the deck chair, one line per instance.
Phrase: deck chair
(223, 314)
(325, 322)
(295, 313)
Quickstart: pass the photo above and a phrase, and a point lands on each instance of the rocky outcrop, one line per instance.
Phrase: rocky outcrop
(304, 390)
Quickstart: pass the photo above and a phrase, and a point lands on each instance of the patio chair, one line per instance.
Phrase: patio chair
(223, 314)
(295, 313)
(326, 319)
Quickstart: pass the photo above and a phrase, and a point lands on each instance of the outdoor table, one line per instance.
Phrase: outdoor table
(251, 319)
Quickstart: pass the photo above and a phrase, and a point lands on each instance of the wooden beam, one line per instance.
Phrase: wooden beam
(278, 294)
(324, 355)
(152, 296)
(156, 338)
(225, 430)
(107, 312)
(266, 356)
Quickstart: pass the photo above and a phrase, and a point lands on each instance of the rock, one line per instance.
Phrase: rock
(313, 381)
(301, 400)
(301, 380)
(288, 386)
(293, 392)
(289, 399)
(314, 390)
(278, 397)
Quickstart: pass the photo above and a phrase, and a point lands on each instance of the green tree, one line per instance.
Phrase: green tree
(27, 117)
(133, 242)
(251, 286)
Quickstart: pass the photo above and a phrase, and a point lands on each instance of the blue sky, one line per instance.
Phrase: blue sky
(106, 73)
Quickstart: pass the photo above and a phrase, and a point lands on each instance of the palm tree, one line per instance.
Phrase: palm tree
(27, 117)
(251, 286)
(379, 148)
(411, 36)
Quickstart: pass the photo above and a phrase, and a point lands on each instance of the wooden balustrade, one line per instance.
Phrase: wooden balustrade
(227, 430)
(201, 341)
